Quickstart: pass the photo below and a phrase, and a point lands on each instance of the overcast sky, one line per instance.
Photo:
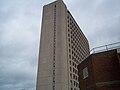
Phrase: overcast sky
(20, 22)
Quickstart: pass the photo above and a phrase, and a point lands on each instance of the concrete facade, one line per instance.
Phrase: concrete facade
(103, 71)
(62, 47)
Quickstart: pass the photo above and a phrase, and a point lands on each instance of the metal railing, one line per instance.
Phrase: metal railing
(105, 48)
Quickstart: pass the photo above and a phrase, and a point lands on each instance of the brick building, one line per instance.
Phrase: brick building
(100, 71)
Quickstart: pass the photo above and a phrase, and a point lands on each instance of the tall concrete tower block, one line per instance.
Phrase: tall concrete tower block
(62, 47)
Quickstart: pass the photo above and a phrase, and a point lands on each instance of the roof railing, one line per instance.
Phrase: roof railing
(105, 48)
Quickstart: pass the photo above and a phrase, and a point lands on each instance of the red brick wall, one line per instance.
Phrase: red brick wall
(89, 81)
(106, 66)
(104, 71)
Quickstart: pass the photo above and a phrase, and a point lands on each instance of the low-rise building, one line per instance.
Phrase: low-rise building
(100, 71)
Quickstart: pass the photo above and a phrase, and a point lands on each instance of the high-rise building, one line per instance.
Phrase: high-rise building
(62, 47)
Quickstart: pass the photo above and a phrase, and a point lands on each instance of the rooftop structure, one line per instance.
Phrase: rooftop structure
(101, 70)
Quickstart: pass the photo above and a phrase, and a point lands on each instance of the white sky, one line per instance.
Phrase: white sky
(20, 22)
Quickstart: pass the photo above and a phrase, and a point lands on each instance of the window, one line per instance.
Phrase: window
(85, 73)
(70, 62)
(70, 75)
(69, 39)
(71, 82)
(70, 69)
(68, 34)
(69, 56)
(69, 50)
(74, 83)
